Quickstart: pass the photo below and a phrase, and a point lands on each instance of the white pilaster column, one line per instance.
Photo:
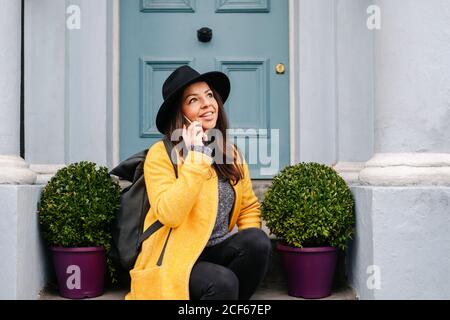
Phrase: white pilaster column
(13, 169)
(411, 95)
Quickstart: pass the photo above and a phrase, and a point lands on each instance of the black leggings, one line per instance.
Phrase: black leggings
(232, 269)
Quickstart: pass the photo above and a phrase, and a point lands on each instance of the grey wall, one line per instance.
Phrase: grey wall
(10, 17)
(67, 98)
(412, 66)
(335, 69)
(44, 81)
(24, 257)
(360, 251)
(86, 84)
(354, 81)
(404, 232)
(317, 101)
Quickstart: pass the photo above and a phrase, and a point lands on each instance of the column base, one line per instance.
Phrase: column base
(24, 264)
(14, 170)
(401, 243)
(45, 172)
(349, 171)
(407, 169)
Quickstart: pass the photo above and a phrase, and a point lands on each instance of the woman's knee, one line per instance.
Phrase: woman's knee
(226, 284)
(258, 241)
(210, 281)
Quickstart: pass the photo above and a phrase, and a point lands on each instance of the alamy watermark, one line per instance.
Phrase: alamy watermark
(374, 280)
(262, 149)
(374, 19)
(74, 280)
(73, 21)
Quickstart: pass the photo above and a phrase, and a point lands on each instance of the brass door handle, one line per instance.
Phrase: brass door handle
(280, 68)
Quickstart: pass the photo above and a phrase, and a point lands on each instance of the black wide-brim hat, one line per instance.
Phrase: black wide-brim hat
(175, 84)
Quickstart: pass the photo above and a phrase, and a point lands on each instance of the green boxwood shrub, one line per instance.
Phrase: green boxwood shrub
(309, 205)
(77, 207)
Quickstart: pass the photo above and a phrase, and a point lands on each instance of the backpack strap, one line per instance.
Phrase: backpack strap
(169, 147)
(157, 224)
(150, 230)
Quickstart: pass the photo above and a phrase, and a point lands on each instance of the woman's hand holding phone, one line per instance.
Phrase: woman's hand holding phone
(193, 134)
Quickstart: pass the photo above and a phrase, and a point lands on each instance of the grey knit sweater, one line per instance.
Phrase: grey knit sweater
(226, 201)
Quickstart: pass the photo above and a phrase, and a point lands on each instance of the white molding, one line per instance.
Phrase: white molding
(43, 179)
(405, 176)
(336, 85)
(46, 168)
(116, 83)
(409, 159)
(293, 36)
(14, 170)
(44, 172)
(349, 171)
(407, 169)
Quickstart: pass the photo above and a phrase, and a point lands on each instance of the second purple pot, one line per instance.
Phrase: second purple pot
(309, 271)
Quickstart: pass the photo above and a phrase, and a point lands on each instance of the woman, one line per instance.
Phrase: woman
(196, 255)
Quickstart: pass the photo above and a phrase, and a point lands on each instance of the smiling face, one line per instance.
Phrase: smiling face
(198, 103)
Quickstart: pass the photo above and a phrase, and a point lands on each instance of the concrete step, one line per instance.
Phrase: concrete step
(273, 287)
(272, 292)
(260, 187)
(279, 292)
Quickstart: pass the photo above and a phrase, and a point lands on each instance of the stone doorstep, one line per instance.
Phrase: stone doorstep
(273, 292)
(273, 287)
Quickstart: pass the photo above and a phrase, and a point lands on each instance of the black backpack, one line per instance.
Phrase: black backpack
(127, 228)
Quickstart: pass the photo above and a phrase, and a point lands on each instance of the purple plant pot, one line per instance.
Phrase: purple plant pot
(80, 271)
(309, 271)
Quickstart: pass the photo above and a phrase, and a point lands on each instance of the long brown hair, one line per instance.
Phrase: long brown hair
(225, 169)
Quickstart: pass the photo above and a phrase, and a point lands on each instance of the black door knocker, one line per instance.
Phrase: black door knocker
(204, 34)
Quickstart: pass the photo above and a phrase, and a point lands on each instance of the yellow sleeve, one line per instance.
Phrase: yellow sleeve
(172, 199)
(250, 214)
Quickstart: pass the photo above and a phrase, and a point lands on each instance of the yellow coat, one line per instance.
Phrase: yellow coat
(189, 206)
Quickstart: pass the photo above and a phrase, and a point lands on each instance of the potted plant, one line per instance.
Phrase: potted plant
(76, 209)
(310, 209)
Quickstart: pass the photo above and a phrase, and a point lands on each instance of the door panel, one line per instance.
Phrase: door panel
(249, 39)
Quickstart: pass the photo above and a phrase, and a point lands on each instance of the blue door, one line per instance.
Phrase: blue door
(250, 43)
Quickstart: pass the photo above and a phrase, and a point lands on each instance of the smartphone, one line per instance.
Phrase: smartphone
(187, 119)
